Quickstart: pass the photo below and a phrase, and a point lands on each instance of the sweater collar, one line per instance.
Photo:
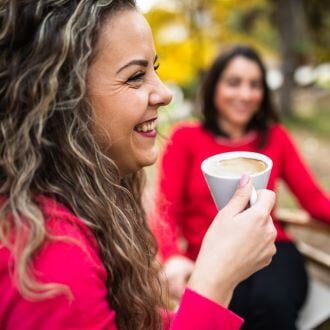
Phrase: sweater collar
(245, 139)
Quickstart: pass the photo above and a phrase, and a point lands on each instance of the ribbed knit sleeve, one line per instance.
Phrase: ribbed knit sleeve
(197, 312)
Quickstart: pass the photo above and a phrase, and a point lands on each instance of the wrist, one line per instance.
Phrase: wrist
(219, 291)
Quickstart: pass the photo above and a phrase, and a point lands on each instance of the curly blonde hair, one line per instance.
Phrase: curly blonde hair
(47, 148)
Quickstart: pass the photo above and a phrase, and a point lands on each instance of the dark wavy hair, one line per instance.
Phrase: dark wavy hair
(263, 118)
(47, 147)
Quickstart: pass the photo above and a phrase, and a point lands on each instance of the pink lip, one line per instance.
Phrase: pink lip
(150, 134)
(242, 109)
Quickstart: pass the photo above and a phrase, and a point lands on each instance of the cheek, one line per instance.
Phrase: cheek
(222, 96)
(257, 99)
(109, 126)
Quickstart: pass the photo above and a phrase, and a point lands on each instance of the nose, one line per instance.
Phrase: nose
(245, 92)
(160, 94)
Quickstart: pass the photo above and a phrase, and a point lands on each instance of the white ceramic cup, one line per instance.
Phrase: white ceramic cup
(222, 188)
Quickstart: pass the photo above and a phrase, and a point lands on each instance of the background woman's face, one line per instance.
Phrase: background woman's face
(125, 91)
(239, 91)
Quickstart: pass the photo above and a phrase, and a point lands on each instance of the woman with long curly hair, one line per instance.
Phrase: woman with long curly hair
(79, 96)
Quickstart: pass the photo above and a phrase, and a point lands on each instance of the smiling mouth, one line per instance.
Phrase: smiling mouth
(148, 126)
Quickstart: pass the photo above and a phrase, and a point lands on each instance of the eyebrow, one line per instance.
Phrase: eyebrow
(143, 63)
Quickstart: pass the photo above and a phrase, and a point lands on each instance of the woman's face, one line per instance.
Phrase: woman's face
(125, 91)
(239, 92)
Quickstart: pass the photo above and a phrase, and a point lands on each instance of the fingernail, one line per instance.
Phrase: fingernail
(245, 179)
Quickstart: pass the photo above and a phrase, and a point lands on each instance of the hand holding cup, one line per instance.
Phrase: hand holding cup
(238, 243)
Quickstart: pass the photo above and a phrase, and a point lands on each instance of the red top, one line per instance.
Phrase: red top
(78, 265)
(184, 202)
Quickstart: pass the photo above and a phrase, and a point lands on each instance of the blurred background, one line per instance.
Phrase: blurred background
(293, 37)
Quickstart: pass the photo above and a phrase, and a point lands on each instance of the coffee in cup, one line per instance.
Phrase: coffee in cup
(236, 167)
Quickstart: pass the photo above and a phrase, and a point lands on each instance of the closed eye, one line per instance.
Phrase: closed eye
(137, 77)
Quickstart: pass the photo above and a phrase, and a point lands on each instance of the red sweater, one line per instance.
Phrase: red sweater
(184, 205)
(80, 268)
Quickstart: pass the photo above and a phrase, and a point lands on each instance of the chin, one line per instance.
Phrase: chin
(149, 159)
(149, 162)
(242, 121)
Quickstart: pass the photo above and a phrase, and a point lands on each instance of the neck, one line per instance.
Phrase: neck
(232, 130)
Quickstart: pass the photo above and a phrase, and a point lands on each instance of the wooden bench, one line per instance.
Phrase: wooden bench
(313, 241)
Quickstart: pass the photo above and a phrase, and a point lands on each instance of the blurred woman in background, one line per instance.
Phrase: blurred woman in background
(237, 115)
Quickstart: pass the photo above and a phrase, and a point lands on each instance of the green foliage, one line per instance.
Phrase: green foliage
(188, 38)
(205, 27)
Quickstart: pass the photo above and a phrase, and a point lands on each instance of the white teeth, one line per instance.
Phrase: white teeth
(146, 127)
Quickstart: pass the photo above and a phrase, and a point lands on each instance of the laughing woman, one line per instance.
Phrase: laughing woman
(78, 105)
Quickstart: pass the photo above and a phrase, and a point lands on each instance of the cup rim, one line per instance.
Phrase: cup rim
(236, 154)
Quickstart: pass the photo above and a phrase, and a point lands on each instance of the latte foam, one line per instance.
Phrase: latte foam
(235, 167)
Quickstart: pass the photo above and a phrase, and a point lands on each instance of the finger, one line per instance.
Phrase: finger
(262, 208)
(253, 197)
(272, 229)
(240, 199)
(265, 201)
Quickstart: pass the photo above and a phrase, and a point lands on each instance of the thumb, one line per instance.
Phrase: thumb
(241, 198)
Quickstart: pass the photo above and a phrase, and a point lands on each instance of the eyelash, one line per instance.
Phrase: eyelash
(136, 77)
(139, 76)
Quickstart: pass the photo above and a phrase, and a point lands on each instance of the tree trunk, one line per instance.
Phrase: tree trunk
(290, 22)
